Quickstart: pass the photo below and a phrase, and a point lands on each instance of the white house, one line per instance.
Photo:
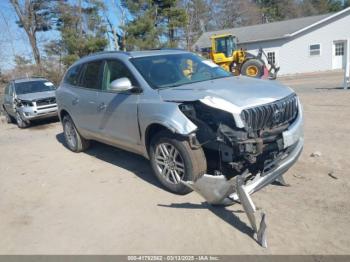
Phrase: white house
(302, 45)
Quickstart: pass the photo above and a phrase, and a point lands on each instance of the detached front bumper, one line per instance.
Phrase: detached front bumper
(38, 112)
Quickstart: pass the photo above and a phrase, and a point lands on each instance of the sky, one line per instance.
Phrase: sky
(14, 40)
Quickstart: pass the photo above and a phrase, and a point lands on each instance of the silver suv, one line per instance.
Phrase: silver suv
(188, 116)
(28, 99)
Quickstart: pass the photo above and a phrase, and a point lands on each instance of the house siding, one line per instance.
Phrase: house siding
(292, 54)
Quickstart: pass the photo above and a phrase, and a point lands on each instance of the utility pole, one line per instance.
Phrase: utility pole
(347, 66)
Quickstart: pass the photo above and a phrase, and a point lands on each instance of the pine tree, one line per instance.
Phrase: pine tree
(142, 32)
(155, 23)
(82, 30)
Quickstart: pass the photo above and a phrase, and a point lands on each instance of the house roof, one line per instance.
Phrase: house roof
(269, 31)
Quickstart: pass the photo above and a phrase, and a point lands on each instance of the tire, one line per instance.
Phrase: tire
(192, 162)
(20, 122)
(253, 68)
(74, 141)
(9, 119)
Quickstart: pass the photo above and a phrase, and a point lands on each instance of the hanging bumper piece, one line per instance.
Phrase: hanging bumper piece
(217, 190)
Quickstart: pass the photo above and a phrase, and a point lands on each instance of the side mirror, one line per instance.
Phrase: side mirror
(121, 84)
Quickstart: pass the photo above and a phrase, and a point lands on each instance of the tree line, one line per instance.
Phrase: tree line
(88, 26)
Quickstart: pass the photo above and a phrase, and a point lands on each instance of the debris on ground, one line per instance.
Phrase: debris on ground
(299, 176)
(316, 154)
(331, 174)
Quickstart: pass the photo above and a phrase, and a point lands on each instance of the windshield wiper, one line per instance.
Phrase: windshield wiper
(218, 77)
(175, 85)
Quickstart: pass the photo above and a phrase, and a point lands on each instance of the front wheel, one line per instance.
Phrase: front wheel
(9, 119)
(253, 68)
(20, 122)
(173, 160)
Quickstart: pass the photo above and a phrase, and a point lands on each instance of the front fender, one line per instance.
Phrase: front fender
(170, 116)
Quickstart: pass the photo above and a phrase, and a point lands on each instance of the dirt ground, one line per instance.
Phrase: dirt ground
(106, 201)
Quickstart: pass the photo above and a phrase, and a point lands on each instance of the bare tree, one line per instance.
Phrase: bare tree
(34, 16)
(114, 33)
(198, 20)
(234, 13)
(120, 12)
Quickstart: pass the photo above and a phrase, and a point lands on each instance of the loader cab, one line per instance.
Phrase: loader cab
(225, 44)
(223, 48)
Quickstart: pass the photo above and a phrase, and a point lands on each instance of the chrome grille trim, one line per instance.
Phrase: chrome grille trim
(271, 115)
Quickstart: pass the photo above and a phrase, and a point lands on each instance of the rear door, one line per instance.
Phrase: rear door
(84, 101)
(117, 111)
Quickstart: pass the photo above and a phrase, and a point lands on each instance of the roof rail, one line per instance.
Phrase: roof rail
(26, 77)
(166, 48)
(108, 52)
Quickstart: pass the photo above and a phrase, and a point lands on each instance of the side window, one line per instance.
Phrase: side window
(271, 56)
(72, 75)
(91, 75)
(115, 69)
(315, 50)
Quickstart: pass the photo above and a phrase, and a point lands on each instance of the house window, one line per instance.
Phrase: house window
(271, 57)
(315, 49)
(339, 49)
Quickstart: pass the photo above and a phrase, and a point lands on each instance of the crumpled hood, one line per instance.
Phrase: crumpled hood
(36, 96)
(240, 91)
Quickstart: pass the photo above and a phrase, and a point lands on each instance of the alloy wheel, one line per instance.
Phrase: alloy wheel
(169, 163)
(70, 134)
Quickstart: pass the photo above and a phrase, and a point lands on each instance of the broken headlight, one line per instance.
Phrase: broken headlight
(188, 110)
(24, 103)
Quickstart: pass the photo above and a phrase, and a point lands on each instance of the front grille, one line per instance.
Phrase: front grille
(46, 101)
(271, 115)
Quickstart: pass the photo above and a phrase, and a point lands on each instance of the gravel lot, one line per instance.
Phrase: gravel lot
(106, 201)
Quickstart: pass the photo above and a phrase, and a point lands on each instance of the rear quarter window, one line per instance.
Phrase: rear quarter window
(91, 75)
(72, 75)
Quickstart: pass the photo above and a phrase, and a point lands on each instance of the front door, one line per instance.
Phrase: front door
(338, 57)
(117, 111)
(9, 100)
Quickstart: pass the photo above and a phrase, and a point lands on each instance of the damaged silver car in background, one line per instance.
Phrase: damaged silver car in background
(202, 128)
(28, 99)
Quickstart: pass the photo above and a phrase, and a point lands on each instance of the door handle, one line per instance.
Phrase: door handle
(75, 101)
(101, 107)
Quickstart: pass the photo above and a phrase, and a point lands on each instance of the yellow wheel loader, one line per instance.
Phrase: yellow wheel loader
(224, 52)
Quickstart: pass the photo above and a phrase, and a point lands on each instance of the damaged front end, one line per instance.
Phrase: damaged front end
(245, 149)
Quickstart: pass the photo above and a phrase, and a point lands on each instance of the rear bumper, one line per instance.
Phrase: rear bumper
(34, 112)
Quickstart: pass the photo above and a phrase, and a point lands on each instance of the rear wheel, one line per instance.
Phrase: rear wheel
(20, 122)
(74, 140)
(173, 160)
(253, 68)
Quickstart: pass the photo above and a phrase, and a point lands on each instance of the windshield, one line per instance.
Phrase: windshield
(166, 71)
(33, 87)
(225, 45)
